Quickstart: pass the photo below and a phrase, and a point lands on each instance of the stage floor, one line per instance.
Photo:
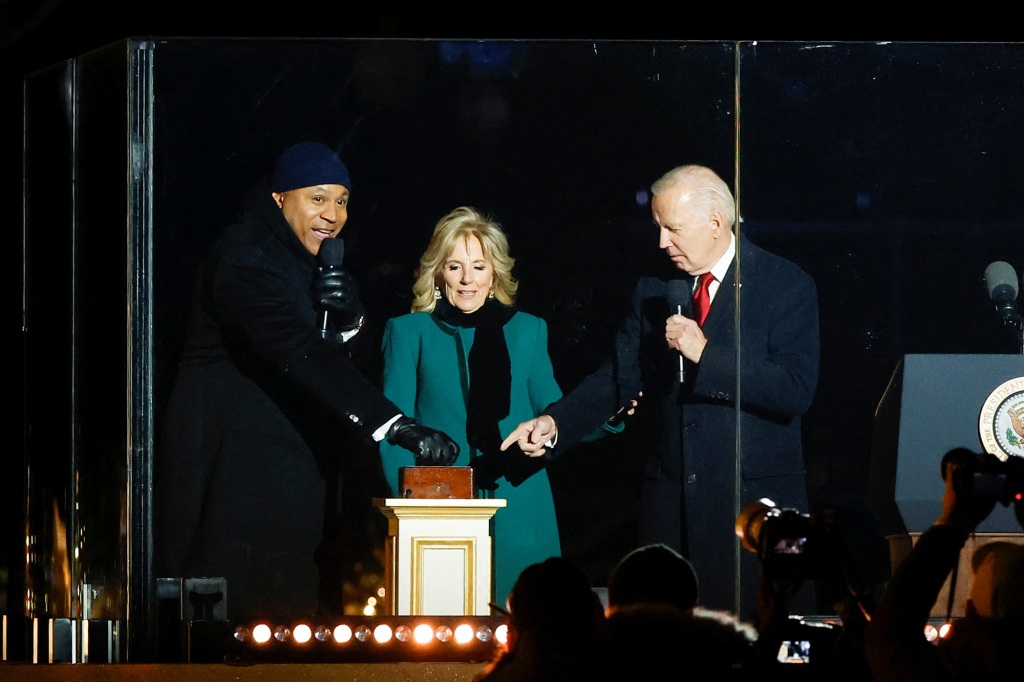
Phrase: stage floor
(273, 672)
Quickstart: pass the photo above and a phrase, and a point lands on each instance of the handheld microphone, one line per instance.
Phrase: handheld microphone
(1001, 282)
(677, 296)
(330, 257)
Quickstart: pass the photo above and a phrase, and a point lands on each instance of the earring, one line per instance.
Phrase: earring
(437, 293)
(491, 294)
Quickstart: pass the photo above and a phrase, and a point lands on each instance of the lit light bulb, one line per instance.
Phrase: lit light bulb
(423, 633)
(261, 633)
(464, 633)
(302, 633)
(342, 634)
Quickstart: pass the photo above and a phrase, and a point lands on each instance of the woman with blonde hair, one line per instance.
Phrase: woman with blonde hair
(465, 360)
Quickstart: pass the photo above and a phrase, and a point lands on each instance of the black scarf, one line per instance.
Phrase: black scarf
(490, 369)
(490, 388)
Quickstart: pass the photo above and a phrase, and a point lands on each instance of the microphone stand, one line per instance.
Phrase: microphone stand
(1015, 322)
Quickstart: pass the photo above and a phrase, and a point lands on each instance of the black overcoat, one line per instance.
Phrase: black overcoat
(690, 475)
(261, 403)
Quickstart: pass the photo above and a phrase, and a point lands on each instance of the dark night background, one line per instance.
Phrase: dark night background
(34, 35)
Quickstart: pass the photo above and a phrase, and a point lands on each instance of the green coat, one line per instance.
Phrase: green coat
(426, 376)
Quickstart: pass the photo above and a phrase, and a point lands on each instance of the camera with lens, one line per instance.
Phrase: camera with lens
(789, 544)
(984, 475)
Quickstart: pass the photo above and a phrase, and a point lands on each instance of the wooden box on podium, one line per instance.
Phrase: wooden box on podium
(438, 555)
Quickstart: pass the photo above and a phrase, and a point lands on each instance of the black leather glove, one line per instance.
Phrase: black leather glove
(432, 448)
(487, 469)
(514, 464)
(335, 291)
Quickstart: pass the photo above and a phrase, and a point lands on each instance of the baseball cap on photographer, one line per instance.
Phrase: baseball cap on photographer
(308, 164)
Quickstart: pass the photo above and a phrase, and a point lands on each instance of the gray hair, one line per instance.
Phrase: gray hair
(702, 184)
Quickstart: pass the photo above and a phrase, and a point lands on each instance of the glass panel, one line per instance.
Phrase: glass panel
(889, 173)
(49, 476)
(78, 447)
(559, 141)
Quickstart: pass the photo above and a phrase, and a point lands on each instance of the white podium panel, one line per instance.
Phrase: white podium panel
(900, 547)
(438, 556)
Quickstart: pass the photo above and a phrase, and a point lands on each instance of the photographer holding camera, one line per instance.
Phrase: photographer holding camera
(985, 643)
(793, 549)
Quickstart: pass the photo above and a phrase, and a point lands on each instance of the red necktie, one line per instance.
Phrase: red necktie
(702, 298)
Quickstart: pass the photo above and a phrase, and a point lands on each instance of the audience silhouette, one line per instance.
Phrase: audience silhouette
(653, 573)
(654, 624)
(557, 628)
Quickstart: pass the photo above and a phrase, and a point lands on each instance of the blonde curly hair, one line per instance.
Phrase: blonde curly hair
(462, 223)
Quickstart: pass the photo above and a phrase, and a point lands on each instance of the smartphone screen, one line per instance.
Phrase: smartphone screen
(794, 651)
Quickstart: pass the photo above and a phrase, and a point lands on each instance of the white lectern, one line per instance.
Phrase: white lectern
(438, 556)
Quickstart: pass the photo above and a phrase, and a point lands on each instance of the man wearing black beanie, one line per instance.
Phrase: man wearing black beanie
(265, 390)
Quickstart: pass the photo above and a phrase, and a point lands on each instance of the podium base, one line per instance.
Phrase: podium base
(900, 546)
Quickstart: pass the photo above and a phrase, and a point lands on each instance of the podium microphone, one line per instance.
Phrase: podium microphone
(1001, 282)
(677, 296)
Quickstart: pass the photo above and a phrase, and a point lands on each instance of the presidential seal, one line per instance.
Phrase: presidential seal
(1001, 422)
